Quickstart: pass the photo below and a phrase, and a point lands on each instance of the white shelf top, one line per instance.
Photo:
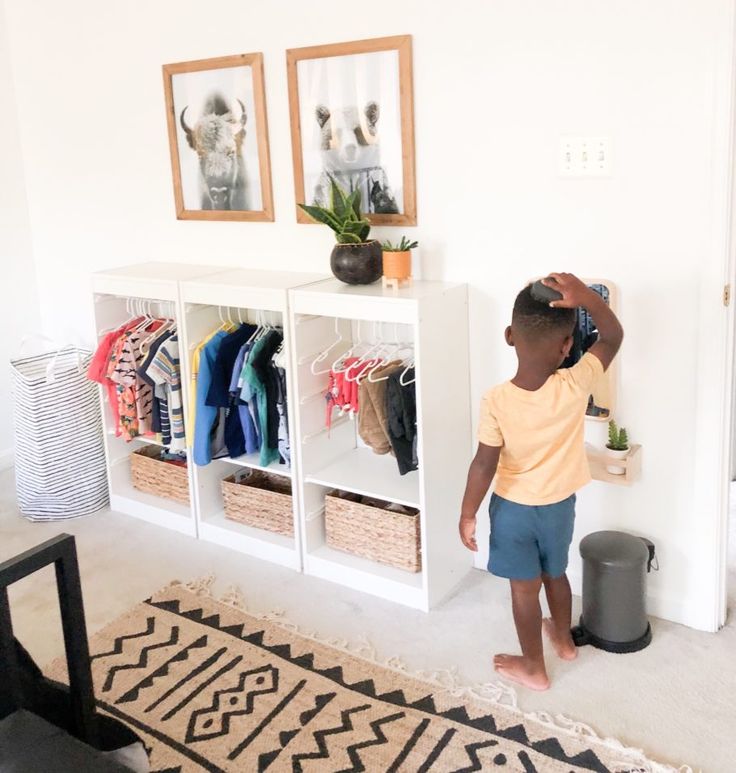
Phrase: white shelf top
(155, 281)
(157, 271)
(420, 288)
(254, 279)
(245, 288)
(363, 472)
(371, 302)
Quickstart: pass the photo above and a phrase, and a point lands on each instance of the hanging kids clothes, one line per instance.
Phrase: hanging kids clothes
(160, 423)
(195, 358)
(401, 407)
(206, 416)
(138, 401)
(343, 387)
(236, 405)
(98, 369)
(121, 371)
(218, 395)
(284, 442)
(164, 369)
(373, 416)
(257, 375)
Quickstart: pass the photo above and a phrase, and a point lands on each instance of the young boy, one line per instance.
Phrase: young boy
(531, 441)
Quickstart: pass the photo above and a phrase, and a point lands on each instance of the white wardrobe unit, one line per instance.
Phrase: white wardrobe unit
(316, 314)
(246, 295)
(433, 317)
(117, 293)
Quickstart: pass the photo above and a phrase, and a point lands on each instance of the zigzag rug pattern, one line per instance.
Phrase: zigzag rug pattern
(211, 688)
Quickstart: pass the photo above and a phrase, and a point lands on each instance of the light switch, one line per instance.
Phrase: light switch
(585, 157)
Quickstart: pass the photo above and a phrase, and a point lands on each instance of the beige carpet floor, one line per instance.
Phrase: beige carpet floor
(676, 699)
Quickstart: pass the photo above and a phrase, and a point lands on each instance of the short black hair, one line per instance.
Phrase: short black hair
(538, 318)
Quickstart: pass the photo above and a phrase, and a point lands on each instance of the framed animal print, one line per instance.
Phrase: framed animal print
(352, 120)
(218, 138)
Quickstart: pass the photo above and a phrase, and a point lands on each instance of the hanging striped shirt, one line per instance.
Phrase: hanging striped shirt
(165, 370)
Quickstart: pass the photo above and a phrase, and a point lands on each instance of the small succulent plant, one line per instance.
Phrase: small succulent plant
(403, 246)
(618, 439)
(343, 216)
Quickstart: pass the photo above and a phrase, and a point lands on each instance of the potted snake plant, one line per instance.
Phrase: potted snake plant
(354, 260)
(617, 446)
(397, 259)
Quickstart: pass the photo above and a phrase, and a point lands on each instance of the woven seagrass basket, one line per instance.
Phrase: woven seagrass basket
(260, 500)
(159, 478)
(372, 532)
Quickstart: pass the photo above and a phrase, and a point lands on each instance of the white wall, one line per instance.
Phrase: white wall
(496, 85)
(19, 306)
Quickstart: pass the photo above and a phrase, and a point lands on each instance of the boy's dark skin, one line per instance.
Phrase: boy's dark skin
(539, 357)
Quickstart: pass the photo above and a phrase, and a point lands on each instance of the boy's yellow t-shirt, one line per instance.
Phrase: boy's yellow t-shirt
(543, 457)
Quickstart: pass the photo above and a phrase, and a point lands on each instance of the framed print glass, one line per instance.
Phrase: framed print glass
(352, 119)
(218, 138)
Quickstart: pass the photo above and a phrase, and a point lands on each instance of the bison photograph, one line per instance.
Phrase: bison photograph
(216, 115)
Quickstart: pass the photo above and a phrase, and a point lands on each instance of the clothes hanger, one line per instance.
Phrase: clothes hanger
(370, 354)
(387, 357)
(338, 366)
(409, 366)
(144, 313)
(257, 332)
(322, 356)
(169, 323)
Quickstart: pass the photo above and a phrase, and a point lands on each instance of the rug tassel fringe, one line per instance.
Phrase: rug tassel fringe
(447, 680)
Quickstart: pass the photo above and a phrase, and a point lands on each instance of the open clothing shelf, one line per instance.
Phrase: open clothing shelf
(118, 293)
(242, 295)
(426, 326)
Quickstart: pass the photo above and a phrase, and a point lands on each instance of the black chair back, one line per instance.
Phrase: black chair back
(62, 552)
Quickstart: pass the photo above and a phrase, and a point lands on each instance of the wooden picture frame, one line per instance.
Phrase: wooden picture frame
(216, 183)
(354, 114)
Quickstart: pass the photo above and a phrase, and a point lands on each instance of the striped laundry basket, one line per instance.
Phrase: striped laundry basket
(59, 444)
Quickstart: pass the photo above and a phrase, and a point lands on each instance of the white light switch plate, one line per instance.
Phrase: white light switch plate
(585, 157)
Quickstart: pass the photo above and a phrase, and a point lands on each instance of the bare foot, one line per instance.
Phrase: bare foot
(518, 669)
(563, 645)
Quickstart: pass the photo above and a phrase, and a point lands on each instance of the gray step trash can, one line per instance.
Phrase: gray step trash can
(615, 567)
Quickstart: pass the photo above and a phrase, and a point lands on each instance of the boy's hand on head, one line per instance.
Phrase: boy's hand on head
(467, 534)
(574, 291)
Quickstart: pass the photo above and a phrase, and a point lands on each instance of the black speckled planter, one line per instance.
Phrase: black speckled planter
(357, 264)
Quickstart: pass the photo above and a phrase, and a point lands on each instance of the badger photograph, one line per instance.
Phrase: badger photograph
(217, 156)
(351, 129)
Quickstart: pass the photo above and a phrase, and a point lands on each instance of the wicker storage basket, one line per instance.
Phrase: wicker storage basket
(380, 535)
(260, 500)
(156, 477)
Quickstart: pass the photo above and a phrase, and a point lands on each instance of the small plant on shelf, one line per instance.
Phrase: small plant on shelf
(618, 438)
(397, 260)
(618, 447)
(403, 246)
(354, 259)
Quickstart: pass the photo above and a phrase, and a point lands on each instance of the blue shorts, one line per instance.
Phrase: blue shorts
(527, 541)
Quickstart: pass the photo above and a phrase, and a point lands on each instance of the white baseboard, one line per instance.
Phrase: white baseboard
(7, 458)
(666, 606)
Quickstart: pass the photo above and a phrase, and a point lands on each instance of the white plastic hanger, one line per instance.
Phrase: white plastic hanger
(388, 356)
(338, 366)
(409, 366)
(322, 356)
